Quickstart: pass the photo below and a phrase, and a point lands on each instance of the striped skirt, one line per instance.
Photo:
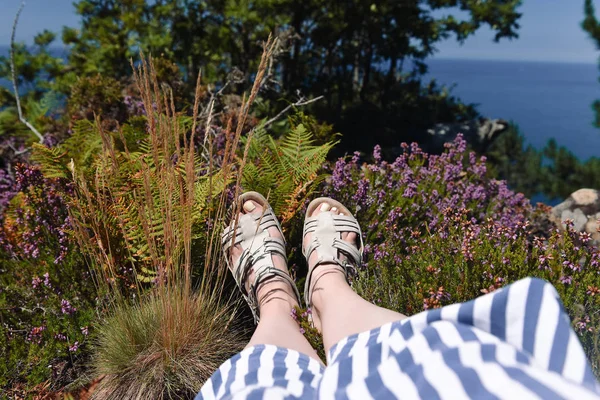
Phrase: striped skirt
(514, 343)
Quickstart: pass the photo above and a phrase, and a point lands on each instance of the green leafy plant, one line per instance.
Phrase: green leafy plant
(287, 170)
(149, 220)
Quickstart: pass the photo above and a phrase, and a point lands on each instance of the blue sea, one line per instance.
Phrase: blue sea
(546, 100)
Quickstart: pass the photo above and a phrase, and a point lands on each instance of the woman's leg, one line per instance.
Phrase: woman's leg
(276, 301)
(337, 310)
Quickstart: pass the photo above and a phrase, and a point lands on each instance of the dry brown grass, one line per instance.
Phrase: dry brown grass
(138, 212)
(165, 346)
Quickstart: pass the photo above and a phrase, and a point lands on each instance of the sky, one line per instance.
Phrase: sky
(550, 31)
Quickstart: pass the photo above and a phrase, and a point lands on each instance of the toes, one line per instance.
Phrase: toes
(349, 237)
(250, 206)
(257, 209)
(324, 207)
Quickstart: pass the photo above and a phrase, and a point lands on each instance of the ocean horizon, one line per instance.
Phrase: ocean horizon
(511, 61)
(545, 99)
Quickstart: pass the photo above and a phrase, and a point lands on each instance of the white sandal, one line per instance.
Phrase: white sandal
(251, 233)
(326, 229)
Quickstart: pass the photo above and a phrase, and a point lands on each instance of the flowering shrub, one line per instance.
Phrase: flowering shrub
(302, 317)
(46, 318)
(38, 220)
(438, 231)
(47, 296)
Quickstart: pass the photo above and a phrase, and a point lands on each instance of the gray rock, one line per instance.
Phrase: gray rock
(585, 197)
(577, 216)
(479, 133)
(583, 208)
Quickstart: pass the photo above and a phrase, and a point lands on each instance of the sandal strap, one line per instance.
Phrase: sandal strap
(342, 223)
(258, 247)
(264, 275)
(326, 229)
(249, 221)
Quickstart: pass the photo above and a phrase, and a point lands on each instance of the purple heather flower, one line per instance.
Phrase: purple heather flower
(410, 191)
(293, 314)
(47, 280)
(35, 334)
(74, 347)
(566, 279)
(585, 237)
(595, 260)
(360, 196)
(376, 166)
(339, 177)
(41, 223)
(36, 282)
(380, 253)
(66, 307)
(569, 264)
(50, 140)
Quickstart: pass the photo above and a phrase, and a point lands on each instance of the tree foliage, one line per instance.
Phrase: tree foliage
(366, 58)
(329, 40)
(591, 25)
(552, 171)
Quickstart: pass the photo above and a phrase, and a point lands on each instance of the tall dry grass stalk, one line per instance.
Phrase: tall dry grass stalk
(138, 214)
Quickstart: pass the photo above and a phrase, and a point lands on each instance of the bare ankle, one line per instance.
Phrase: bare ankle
(328, 279)
(276, 293)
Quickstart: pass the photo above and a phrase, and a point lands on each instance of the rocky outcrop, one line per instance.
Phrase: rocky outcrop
(479, 133)
(583, 208)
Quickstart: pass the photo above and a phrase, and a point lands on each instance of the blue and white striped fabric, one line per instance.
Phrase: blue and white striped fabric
(515, 343)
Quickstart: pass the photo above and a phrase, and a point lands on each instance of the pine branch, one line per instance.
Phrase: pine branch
(14, 75)
(590, 23)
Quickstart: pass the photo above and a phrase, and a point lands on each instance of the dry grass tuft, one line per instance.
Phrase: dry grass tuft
(139, 358)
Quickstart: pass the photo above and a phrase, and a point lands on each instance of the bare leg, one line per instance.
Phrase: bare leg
(276, 300)
(337, 310)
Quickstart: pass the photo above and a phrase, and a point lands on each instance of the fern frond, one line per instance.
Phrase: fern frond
(84, 144)
(286, 169)
(53, 161)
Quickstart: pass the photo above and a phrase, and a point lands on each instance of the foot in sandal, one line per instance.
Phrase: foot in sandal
(332, 243)
(257, 258)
